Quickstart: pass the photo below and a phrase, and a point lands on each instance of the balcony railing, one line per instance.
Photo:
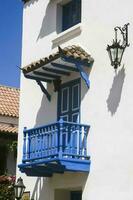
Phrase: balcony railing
(57, 142)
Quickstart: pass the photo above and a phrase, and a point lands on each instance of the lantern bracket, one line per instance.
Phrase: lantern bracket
(124, 32)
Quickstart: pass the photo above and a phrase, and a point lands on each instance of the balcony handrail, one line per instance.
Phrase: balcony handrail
(54, 123)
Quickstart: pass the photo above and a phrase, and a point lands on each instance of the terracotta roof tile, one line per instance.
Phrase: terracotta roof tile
(9, 101)
(8, 128)
(74, 52)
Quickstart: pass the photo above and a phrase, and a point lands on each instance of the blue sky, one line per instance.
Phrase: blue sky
(10, 41)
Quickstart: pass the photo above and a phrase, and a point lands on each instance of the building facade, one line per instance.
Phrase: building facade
(9, 110)
(76, 108)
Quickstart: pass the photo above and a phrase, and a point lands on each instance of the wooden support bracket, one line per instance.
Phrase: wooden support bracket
(44, 90)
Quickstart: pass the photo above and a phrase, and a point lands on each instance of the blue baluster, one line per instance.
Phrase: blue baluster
(46, 141)
(85, 140)
(51, 129)
(66, 140)
(71, 140)
(80, 140)
(43, 145)
(24, 144)
(36, 144)
(86, 129)
(76, 139)
(40, 142)
(28, 145)
(60, 137)
(31, 145)
(52, 140)
(56, 139)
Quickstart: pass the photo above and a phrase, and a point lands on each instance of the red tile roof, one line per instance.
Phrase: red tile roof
(8, 128)
(9, 101)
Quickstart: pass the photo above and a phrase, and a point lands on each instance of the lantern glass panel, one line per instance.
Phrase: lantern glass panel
(17, 192)
(19, 188)
(22, 191)
(120, 54)
(114, 54)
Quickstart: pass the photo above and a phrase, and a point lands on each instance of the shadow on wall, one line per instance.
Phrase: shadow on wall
(116, 91)
(48, 24)
(47, 108)
(40, 189)
(40, 115)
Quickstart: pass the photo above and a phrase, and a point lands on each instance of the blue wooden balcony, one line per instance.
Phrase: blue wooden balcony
(55, 148)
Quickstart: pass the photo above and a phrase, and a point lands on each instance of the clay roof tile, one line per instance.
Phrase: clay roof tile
(9, 101)
(8, 128)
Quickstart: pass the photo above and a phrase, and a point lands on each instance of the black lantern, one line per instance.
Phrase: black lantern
(116, 50)
(19, 189)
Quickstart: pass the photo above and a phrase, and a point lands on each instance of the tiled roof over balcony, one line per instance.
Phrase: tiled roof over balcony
(62, 63)
(73, 52)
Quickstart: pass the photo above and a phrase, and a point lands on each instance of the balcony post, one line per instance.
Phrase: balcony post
(85, 140)
(80, 140)
(24, 144)
(60, 142)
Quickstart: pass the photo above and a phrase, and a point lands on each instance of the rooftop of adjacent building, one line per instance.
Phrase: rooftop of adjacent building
(9, 109)
(9, 101)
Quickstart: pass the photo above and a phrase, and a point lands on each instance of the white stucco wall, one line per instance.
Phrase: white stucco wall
(106, 106)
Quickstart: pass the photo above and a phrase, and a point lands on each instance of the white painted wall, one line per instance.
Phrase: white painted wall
(106, 106)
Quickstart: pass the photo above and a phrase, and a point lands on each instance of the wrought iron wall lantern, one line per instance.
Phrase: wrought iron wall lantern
(19, 189)
(117, 49)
